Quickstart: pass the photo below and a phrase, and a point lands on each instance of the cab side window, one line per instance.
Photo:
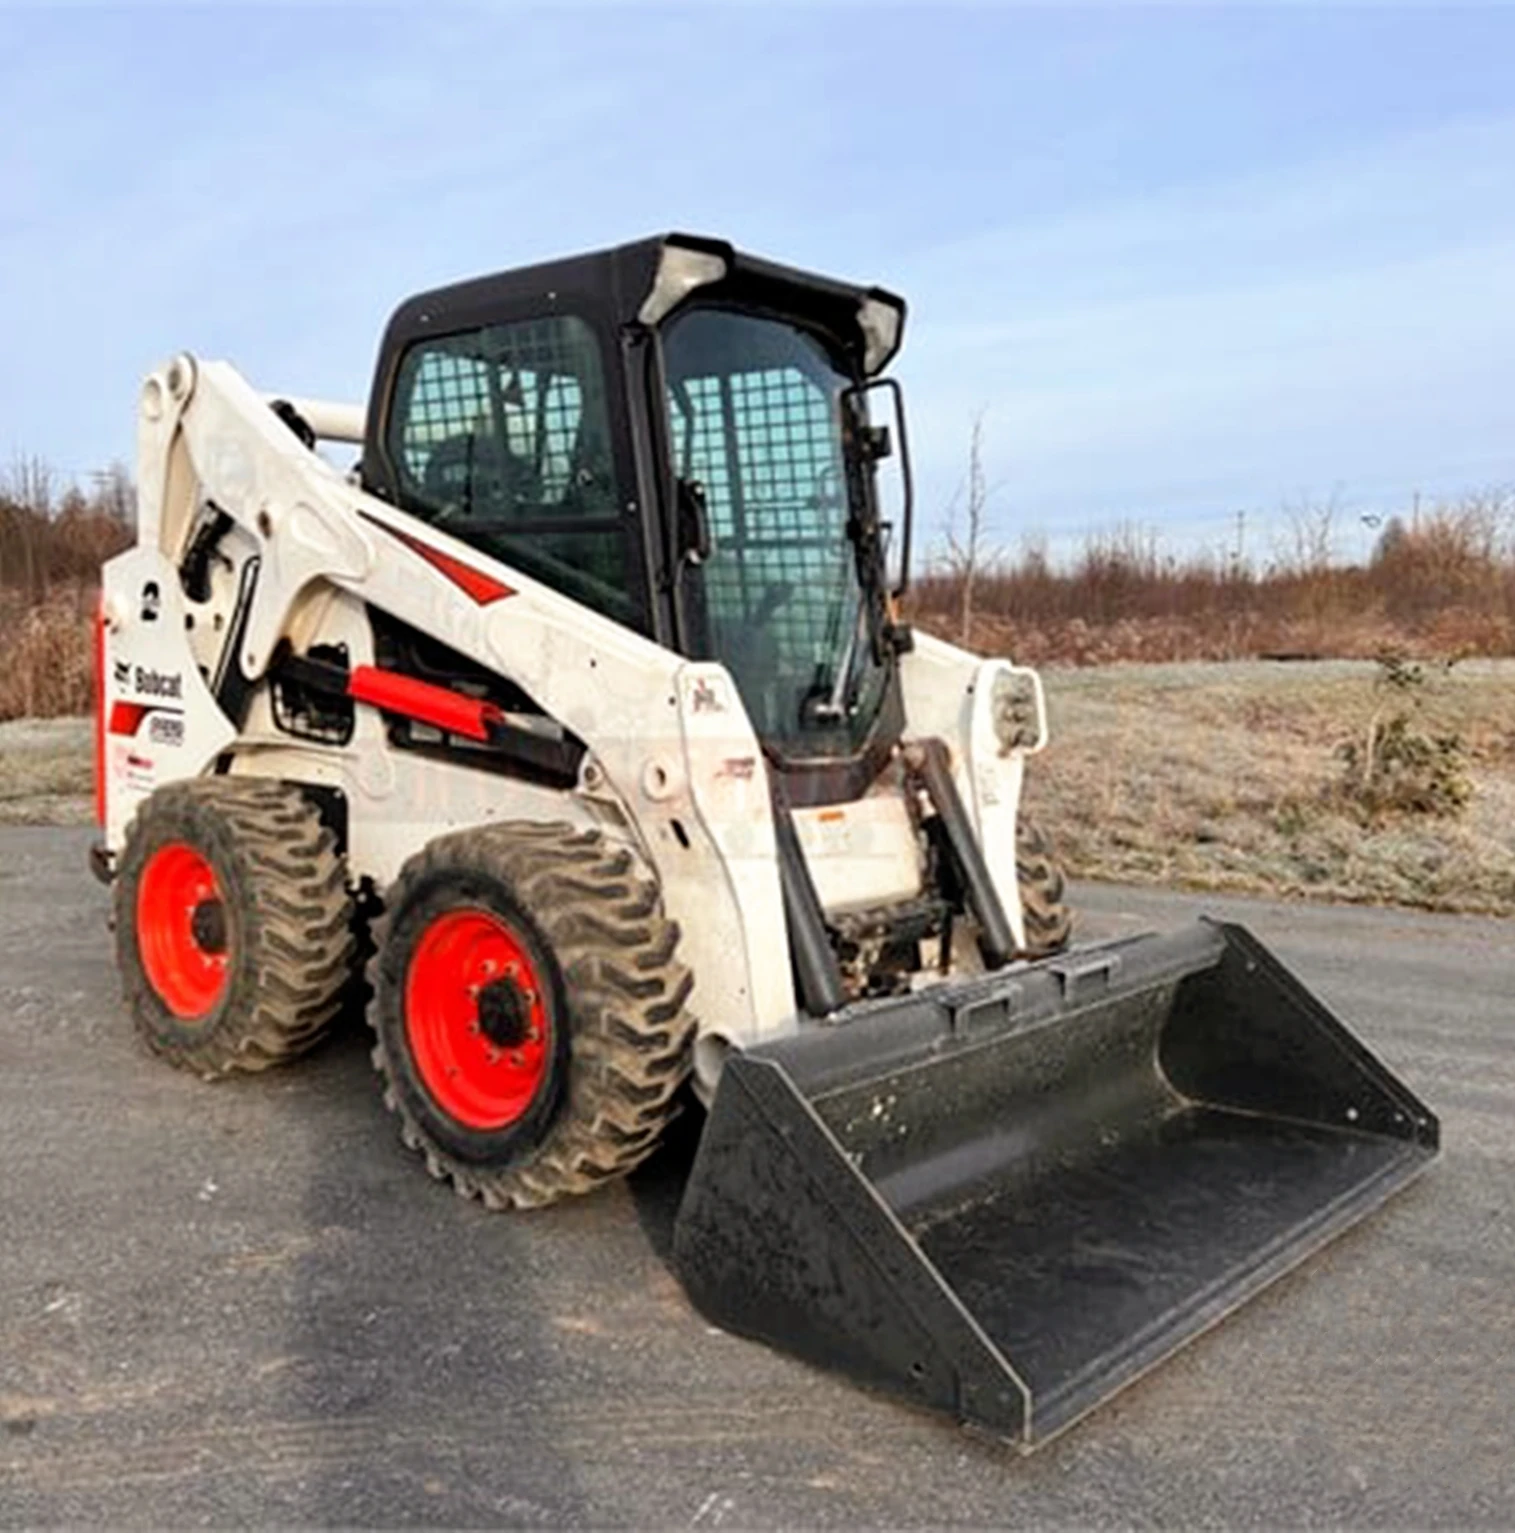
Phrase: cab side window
(501, 436)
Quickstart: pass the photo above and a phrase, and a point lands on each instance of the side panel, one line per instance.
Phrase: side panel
(397, 801)
(161, 722)
(744, 994)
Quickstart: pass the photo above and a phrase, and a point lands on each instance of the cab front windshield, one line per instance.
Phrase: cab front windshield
(755, 420)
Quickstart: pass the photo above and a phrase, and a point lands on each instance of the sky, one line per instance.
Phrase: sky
(1186, 262)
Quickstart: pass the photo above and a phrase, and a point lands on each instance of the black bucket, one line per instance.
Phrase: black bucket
(1007, 1198)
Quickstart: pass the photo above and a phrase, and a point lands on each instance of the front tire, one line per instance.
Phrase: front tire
(234, 928)
(529, 1011)
(1039, 876)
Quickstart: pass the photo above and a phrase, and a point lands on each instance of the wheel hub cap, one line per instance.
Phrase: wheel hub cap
(504, 1013)
(476, 1018)
(182, 934)
(207, 925)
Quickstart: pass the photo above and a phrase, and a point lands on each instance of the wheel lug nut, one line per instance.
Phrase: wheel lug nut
(517, 1058)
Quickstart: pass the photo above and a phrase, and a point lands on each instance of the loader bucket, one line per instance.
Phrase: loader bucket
(1007, 1198)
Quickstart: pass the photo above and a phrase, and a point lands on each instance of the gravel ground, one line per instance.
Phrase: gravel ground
(246, 1304)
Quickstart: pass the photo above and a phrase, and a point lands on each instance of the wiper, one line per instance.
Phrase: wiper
(843, 700)
(866, 535)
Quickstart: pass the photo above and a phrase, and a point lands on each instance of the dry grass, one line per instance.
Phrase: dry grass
(1227, 777)
(51, 547)
(48, 670)
(46, 772)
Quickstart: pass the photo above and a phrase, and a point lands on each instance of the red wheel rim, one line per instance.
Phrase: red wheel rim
(181, 930)
(476, 1019)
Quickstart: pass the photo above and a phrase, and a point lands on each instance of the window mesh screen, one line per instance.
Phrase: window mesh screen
(502, 436)
(509, 416)
(764, 446)
(450, 396)
(756, 408)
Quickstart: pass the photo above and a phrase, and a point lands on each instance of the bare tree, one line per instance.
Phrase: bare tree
(965, 553)
(1311, 545)
(32, 483)
(27, 492)
(114, 495)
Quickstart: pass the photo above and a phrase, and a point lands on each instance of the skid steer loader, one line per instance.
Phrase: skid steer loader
(582, 706)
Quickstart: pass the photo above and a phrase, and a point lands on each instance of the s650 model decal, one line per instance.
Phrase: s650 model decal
(167, 727)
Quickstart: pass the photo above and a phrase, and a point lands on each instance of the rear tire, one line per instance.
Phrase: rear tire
(234, 928)
(1048, 920)
(529, 1011)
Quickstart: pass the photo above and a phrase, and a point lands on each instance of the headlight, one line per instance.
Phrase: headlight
(880, 322)
(1017, 718)
(680, 272)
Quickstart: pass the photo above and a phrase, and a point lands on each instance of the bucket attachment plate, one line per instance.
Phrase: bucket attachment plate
(1007, 1198)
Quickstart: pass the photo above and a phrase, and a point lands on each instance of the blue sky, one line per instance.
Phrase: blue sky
(1187, 261)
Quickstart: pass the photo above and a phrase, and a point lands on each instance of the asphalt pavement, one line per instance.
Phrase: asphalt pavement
(246, 1303)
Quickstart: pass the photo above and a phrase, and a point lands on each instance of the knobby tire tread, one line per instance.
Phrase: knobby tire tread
(600, 912)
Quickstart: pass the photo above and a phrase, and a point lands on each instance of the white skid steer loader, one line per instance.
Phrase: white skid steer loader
(583, 704)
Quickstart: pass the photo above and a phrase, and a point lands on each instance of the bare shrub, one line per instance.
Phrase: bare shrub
(52, 543)
(1454, 558)
(48, 671)
(48, 539)
(1397, 766)
(1443, 584)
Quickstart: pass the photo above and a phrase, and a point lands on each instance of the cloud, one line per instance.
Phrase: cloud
(1169, 308)
(1347, 320)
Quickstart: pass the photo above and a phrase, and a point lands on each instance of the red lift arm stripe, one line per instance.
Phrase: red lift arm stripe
(420, 700)
(475, 583)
